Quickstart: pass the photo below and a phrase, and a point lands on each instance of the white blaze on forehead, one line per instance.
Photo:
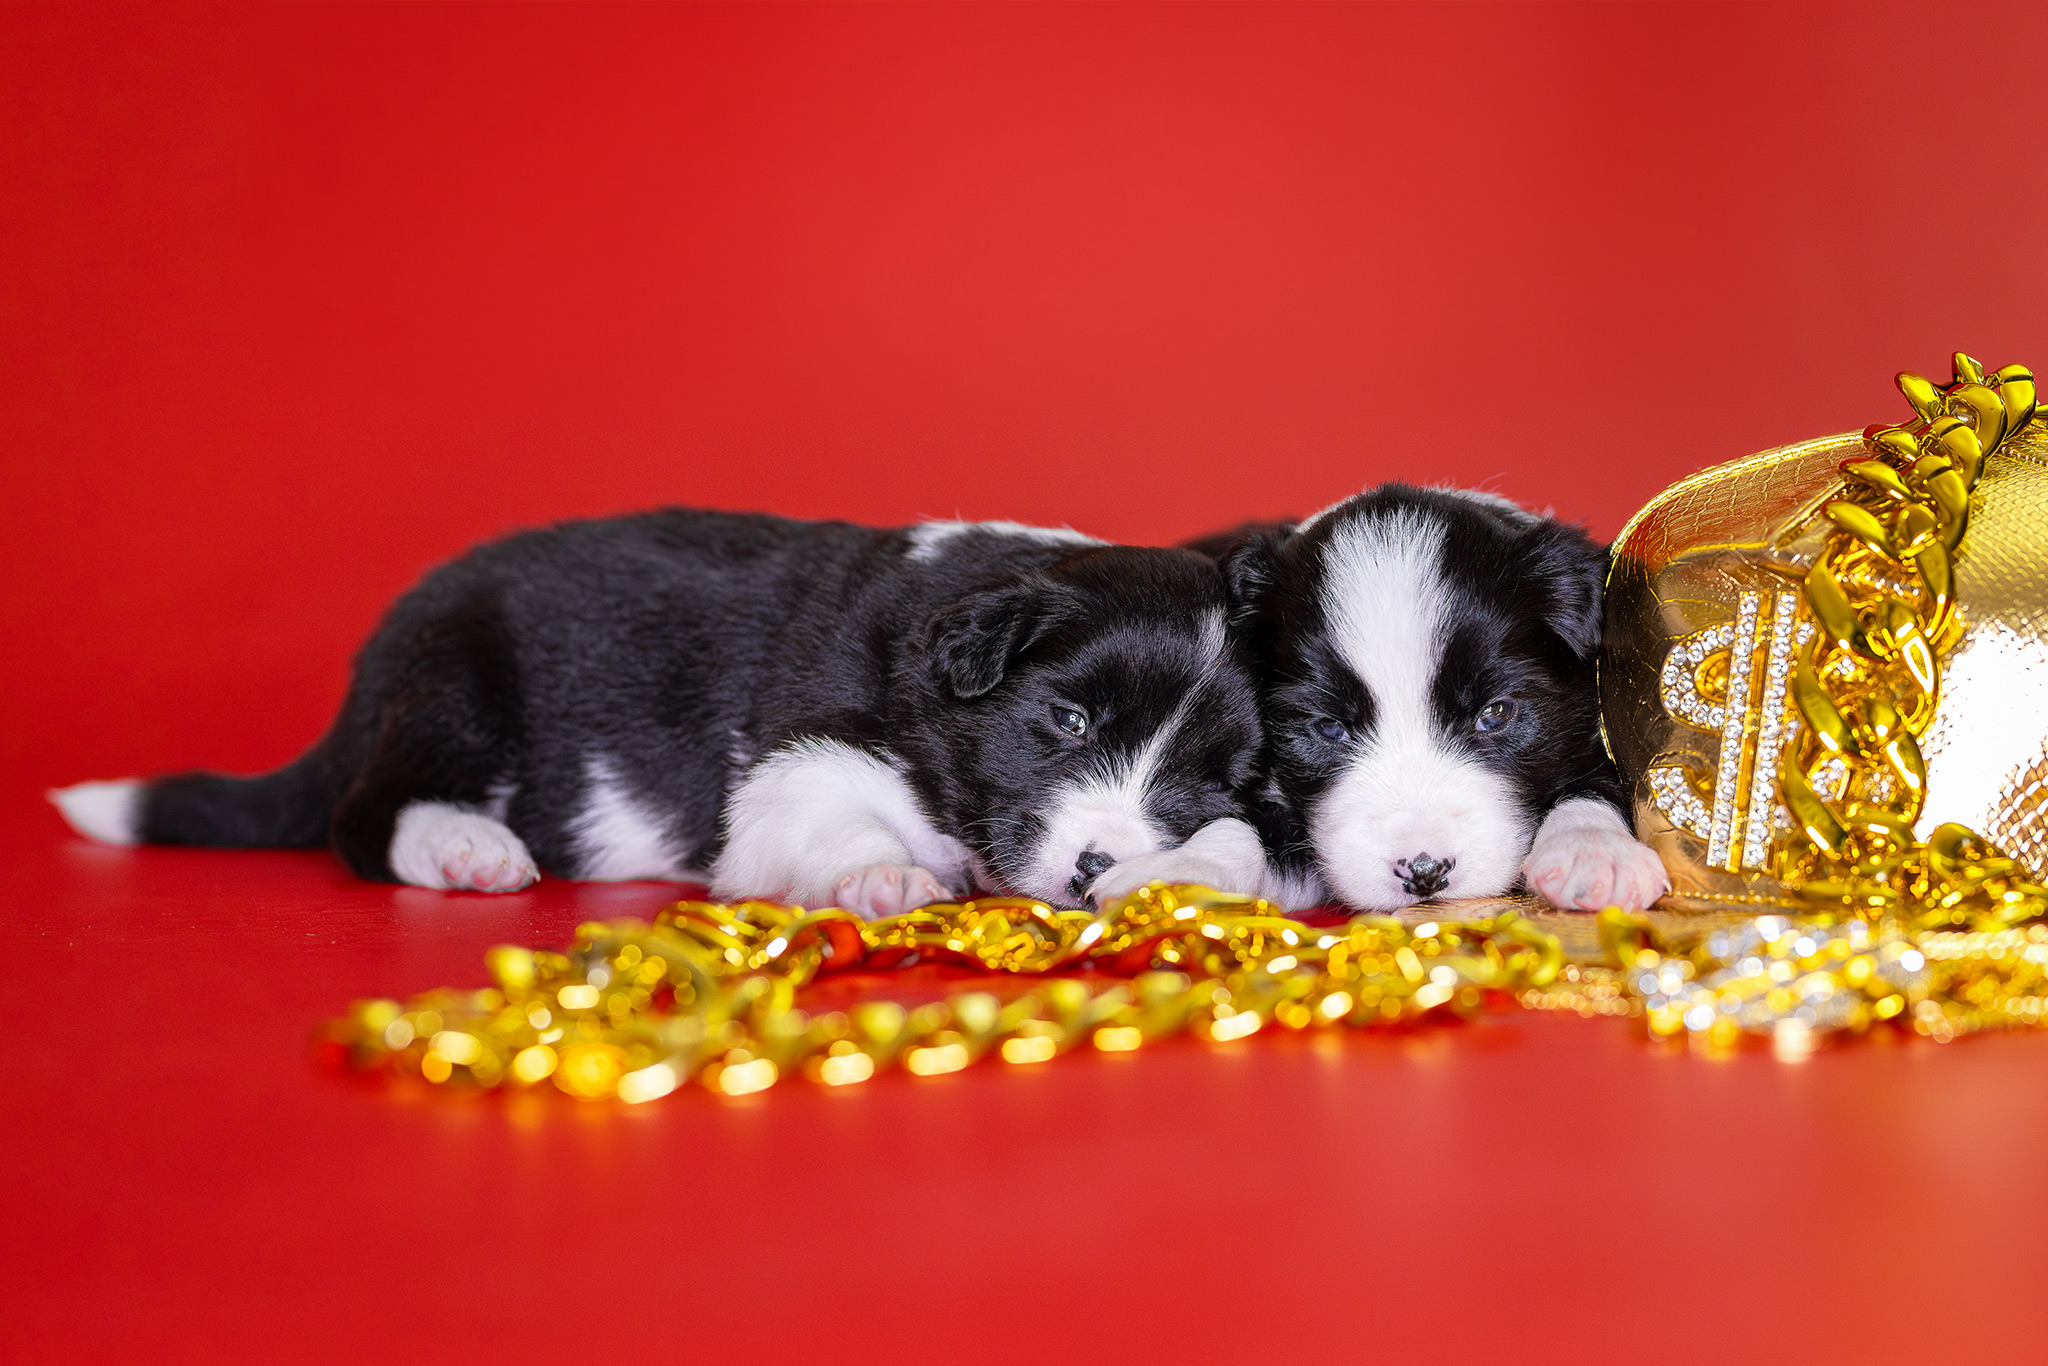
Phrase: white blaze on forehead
(1105, 809)
(1383, 607)
(1409, 789)
(929, 539)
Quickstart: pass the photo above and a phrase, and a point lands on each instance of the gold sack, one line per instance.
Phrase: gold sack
(1825, 677)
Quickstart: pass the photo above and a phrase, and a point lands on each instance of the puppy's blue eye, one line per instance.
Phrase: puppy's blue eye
(1331, 729)
(1494, 715)
(1072, 722)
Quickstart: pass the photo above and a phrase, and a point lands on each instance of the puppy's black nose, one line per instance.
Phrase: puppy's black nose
(1423, 875)
(1093, 864)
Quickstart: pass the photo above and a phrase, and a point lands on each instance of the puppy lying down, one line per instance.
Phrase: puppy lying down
(1431, 714)
(811, 712)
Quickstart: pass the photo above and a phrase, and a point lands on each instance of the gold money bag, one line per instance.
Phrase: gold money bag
(1825, 675)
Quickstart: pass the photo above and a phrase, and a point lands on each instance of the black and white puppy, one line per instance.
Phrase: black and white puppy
(1430, 704)
(813, 712)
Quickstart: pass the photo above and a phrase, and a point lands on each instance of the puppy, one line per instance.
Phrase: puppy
(811, 712)
(1432, 719)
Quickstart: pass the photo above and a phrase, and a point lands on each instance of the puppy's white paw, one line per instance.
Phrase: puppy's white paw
(888, 889)
(1166, 865)
(1591, 869)
(1224, 854)
(437, 845)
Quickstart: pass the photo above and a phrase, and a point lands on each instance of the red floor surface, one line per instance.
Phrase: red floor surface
(297, 300)
(182, 1184)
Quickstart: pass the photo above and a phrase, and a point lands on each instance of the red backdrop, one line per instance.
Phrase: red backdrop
(296, 301)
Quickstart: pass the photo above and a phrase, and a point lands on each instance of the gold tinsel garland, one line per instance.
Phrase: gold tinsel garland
(1941, 936)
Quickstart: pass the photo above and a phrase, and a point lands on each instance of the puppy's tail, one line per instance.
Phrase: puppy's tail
(290, 808)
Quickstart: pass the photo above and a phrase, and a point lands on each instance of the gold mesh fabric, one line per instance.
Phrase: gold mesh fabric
(1987, 751)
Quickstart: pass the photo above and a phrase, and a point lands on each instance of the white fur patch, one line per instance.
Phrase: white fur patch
(108, 812)
(435, 844)
(500, 803)
(928, 540)
(813, 812)
(618, 837)
(1383, 600)
(1408, 791)
(1585, 858)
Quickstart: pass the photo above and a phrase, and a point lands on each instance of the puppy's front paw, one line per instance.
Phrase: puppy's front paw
(1167, 865)
(1592, 869)
(1224, 855)
(436, 845)
(888, 889)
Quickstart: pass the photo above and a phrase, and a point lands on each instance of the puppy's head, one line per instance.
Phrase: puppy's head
(1088, 712)
(1431, 683)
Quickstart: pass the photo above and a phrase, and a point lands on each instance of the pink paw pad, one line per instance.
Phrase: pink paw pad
(883, 889)
(1590, 870)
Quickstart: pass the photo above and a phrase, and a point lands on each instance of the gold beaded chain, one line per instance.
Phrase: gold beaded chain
(634, 1010)
(1940, 936)
(709, 992)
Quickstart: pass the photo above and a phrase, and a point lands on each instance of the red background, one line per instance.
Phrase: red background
(296, 301)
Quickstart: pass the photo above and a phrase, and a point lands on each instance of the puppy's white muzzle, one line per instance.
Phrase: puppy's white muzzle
(1089, 828)
(1409, 819)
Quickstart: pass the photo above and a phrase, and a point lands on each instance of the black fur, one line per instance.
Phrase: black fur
(683, 646)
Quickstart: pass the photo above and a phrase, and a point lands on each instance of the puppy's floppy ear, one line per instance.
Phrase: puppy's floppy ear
(1248, 573)
(1572, 572)
(1247, 555)
(972, 642)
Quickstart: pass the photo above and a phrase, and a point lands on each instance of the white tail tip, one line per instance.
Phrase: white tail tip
(108, 812)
